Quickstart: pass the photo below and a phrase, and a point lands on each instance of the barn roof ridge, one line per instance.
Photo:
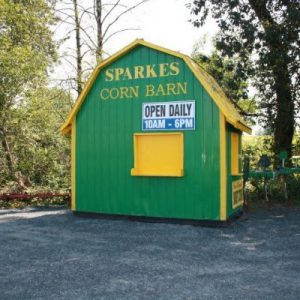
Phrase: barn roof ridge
(232, 116)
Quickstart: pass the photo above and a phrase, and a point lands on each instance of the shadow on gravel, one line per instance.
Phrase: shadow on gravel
(51, 254)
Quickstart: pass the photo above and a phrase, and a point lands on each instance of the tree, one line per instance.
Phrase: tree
(94, 26)
(228, 72)
(266, 32)
(106, 19)
(26, 51)
(79, 56)
(41, 152)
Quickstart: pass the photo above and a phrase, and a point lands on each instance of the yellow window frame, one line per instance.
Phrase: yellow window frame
(158, 154)
(235, 153)
(237, 193)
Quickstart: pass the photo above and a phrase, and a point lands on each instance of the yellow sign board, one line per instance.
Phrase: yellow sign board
(237, 193)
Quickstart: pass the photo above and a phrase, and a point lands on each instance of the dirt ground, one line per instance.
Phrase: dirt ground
(51, 254)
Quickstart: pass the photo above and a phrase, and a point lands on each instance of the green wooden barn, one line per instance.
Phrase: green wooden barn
(153, 135)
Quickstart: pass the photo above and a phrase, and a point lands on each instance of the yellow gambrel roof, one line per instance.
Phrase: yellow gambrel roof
(214, 90)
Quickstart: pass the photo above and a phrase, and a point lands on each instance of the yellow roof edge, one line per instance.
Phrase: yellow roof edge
(101, 65)
(162, 49)
(221, 100)
(244, 127)
(91, 80)
(239, 125)
(66, 130)
(236, 122)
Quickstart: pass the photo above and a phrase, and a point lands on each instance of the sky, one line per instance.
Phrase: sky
(165, 23)
(161, 22)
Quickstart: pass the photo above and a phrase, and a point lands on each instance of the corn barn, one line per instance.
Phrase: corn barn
(153, 135)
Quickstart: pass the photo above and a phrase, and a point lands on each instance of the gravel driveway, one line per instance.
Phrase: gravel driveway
(51, 254)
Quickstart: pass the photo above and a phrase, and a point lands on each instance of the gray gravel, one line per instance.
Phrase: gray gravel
(51, 254)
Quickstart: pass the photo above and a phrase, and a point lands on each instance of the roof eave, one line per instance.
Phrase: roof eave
(240, 125)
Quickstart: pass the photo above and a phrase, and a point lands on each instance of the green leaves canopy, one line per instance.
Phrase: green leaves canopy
(32, 152)
(26, 46)
(230, 75)
(265, 32)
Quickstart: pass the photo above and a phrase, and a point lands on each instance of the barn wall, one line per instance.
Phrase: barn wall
(104, 150)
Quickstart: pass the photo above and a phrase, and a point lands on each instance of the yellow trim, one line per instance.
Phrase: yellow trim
(158, 154)
(237, 186)
(244, 128)
(213, 89)
(223, 168)
(235, 153)
(237, 174)
(65, 127)
(73, 159)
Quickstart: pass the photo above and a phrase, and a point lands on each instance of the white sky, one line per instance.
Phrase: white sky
(164, 23)
(160, 22)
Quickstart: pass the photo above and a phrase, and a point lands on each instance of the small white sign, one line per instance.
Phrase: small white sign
(175, 115)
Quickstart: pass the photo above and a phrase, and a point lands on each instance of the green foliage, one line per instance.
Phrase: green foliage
(41, 152)
(27, 48)
(36, 202)
(229, 73)
(255, 191)
(33, 154)
(254, 147)
(264, 35)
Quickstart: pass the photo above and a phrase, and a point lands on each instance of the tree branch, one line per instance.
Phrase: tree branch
(110, 11)
(118, 31)
(122, 14)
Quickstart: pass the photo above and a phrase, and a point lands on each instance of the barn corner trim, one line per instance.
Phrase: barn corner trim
(223, 169)
(73, 165)
(214, 90)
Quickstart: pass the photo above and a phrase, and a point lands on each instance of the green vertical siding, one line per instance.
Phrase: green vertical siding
(104, 150)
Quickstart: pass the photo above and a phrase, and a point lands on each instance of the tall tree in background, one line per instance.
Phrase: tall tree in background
(79, 56)
(94, 23)
(106, 19)
(230, 75)
(26, 51)
(41, 153)
(266, 32)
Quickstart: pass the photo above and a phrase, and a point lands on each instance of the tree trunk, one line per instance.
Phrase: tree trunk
(98, 5)
(8, 155)
(17, 176)
(284, 122)
(78, 49)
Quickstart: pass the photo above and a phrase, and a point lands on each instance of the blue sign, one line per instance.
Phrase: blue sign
(175, 115)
